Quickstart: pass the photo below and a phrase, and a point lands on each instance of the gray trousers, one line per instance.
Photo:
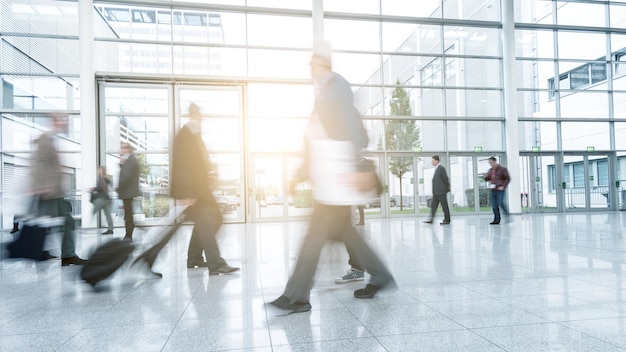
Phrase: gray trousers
(104, 204)
(332, 223)
(208, 220)
(60, 207)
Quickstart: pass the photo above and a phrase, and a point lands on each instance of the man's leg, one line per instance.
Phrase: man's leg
(495, 206)
(129, 222)
(208, 220)
(107, 214)
(501, 195)
(194, 251)
(434, 204)
(299, 286)
(446, 209)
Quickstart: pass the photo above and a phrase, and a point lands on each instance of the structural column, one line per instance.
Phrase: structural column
(87, 107)
(511, 128)
(318, 21)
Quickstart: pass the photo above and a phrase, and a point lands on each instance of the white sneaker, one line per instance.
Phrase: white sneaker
(351, 275)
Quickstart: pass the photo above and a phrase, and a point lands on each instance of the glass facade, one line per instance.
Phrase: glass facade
(444, 58)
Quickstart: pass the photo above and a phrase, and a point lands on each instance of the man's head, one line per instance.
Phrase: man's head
(321, 61)
(194, 112)
(60, 122)
(493, 162)
(125, 148)
(435, 160)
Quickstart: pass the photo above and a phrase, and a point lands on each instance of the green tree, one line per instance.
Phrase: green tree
(144, 168)
(400, 135)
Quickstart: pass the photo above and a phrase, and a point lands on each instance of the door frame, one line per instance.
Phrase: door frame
(612, 173)
(559, 193)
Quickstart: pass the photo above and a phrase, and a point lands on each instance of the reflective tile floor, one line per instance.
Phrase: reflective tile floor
(549, 282)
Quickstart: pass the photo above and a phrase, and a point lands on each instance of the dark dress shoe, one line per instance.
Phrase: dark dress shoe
(494, 223)
(368, 292)
(191, 265)
(445, 222)
(428, 222)
(108, 232)
(15, 229)
(72, 260)
(284, 303)
(47, 256)
(224, 269)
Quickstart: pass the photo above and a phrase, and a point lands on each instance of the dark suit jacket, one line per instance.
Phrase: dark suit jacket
(190, 167)
(441, 183)
(129, 178)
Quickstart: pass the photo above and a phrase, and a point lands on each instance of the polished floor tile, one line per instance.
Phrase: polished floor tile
(541, 282)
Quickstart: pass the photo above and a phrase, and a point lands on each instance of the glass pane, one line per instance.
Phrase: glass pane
(352, 35)
(536, 104)
(484, 103)
(352, 6)
(344, 64)
(281, 4)
(411, 38)
(280, 100)
(534, 44)
(621, 176)
(620, 143)
(402, 68)
(266, 134)
(581, 45)
(473, 73)
(143, 133)
(431, 135)
(423, 8)
(279, 64)
(136, 100)
(537, 134)
(284, 31)
(375, 130)
(368, 100)
(535, 74)
(400, 135)
(472, 10)
(268, 188)
(580, 135)
(229, 192)
(210, 61)
(467, 135)
(471, 41)
(401, 187)
(461, 184)
(222, 102)
(533, 11)
(580, 14)
(585, 104)
(618, 16)
(32, 92)
(429, 103)
(20, 130)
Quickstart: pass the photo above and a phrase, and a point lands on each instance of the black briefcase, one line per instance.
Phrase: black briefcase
(29, 242)
(106, 260)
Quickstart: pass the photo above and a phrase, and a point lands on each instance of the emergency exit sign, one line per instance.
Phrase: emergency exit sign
(478, 149)
(536, 149)
(591, 149)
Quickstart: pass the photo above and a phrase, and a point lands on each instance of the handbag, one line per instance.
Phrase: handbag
(366, 177)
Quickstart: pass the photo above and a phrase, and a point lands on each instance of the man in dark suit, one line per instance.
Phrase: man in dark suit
(191, 184)
(441, 187)
(128, 187)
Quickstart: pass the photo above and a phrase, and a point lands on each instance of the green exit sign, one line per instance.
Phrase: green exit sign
(591, 149)
(478, 149)
(417, 149)
(536, 149)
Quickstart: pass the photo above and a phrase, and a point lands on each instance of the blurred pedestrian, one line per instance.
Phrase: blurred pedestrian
(335, 131)
(128, 187)
(47, 186)
(498, 177)
(101, 199)
(191, 184)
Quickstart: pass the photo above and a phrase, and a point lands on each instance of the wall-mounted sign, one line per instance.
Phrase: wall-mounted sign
(478, 149)
(417, 149)
(536, 149)
(591, 148)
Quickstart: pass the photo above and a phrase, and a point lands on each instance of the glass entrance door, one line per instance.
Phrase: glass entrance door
(540, 190)
(586, 182)
(470, 193)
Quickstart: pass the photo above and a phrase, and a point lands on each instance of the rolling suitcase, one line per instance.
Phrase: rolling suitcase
(106, 260)
(164, 230)
(30, 240)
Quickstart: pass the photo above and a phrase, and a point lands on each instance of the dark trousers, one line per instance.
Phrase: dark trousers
(207, 221)
(129, 222)
(361, 214)
(331, 223)
(434, 204)
(496, 197)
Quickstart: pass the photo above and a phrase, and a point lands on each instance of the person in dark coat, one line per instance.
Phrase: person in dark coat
(101, 199)
(128, 187)
(441, 187)
(192, 184)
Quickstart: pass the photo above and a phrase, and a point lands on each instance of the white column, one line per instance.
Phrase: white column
(318, 21)
(511, 128)
(87, 107)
